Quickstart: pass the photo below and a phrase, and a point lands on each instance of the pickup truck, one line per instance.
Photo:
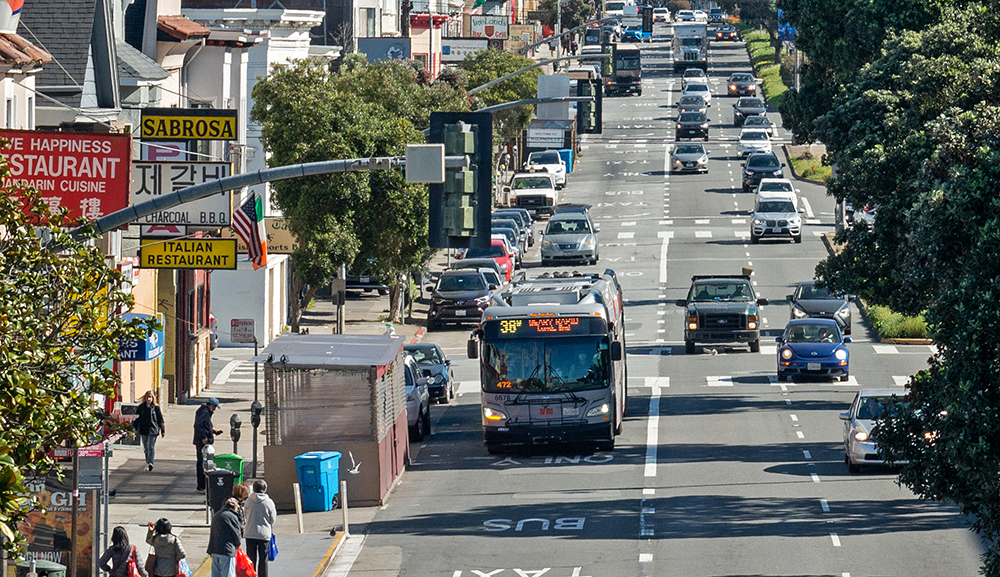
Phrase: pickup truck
(534, 191)
(721, 309)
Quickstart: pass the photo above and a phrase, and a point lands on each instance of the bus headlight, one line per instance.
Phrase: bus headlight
(493, 414)
(597, 411)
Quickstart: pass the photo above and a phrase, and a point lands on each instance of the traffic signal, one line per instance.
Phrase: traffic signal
(459, 209)
(589, 114)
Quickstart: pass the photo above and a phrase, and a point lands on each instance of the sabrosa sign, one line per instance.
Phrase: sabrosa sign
(86, 173)
(492, 27)
(188, 124)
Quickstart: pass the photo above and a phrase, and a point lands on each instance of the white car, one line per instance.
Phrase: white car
(701, 16)
(698, 89)
(551, 162)
(685, 16)
(868, 405)
(775, 185)
(753, 140)
(693, 75)
(661, 15)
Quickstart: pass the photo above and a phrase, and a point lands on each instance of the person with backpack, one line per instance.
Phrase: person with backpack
(148, 425)
(120, 553)
(167, 548)
(260, 516)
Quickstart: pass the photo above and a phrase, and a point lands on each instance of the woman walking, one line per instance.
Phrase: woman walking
(260, 515)
(241, 492)
(167, 548)
(149, 424)
(119, 554)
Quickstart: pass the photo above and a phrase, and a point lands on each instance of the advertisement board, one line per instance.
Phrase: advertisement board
(188, 124)
(376, 49)
(48, 527)
(86, 173)
(190, 253)
(145, 349)
(280, 240)
(456, 49)
(521, 36)
(152, 180)
(492, 27)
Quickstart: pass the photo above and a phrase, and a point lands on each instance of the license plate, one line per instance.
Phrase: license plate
(812, 366)
(571, 411)
(460, 313)
(776, 229)
(365, 279)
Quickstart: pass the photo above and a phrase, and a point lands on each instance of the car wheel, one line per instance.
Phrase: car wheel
(798, 239)
(851, 467)
(417, 431)
(706, 138)
(688, 347)
(754, 239)
(755, 346)
(746, 188)
(782, 378)
(845, 377)
(383, 292)
(639, 93)
(494, 448)
(426, 420)
(451, 390)
(431, 326)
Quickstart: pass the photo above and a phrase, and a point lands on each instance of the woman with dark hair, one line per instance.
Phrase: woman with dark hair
(167, 548)
(119, 554)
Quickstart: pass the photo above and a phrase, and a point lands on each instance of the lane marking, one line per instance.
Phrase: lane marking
(630, 223)
(836, 540)
(815, 477)
(726, 381)
(885, 350)
(666, 235)
(622, 235)
(824, 505)
(794, 418)
(808, 207)
(653, 429)
(348, 555)
(807, 455)
(900, 380)
(799, 435)
(467, 387)
(649, 491)
(703, 234)
(227, 370)
(645, 557)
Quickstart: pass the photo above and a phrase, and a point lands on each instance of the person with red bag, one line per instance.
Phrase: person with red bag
(225, 539)
(125, 562)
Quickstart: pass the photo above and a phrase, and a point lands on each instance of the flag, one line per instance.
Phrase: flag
(478, 3)
(248, 222)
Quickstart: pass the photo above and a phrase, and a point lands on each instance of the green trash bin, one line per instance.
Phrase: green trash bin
(231, 462)
(42, 568)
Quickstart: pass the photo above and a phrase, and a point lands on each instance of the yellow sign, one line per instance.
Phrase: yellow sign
(194, 253)
(188, 124)
(280, 240)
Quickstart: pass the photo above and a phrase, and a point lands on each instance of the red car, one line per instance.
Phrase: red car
(498, 252)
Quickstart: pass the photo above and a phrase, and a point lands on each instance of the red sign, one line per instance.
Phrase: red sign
(86, 173)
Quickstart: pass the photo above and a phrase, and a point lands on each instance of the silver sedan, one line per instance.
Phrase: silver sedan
(868, 405)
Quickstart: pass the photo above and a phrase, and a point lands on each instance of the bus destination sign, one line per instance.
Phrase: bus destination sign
(544, 327)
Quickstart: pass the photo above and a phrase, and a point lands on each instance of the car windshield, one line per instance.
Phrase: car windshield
(491, 252)
(722, 291)
(515, 216)
(763, 161)
(461, 282)
(532, 182)
(504, 223)
(692, 117)
(491, 277)
(757, 121)
(425, 355)
(689, 149)
(544, 158)
(567, 227)
(753, 135)
(750, 103)
(695, 100)
(775, 206)
(507, 232)
(614, 6)
(633, 28)
(871, 408)
(694, 73)
(813, 292)
(775, 187)
(812, 333)
(553, 365)
(742, 78)
(627, 64)
(697, 88)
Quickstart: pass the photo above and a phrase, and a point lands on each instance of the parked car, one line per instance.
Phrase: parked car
(570, 236)
(742, 84)
(460, 296)
(513, 223)
(522, 216)
(418, 401)
(366, 283)
(752, 140)
(699, 89)
(436, 368)
(813, 348)
(689, 157)
(761, 165)
(498, 252)
(811, 301)
(513, 243)
(868, 405)
(746, 107)
(692, 103)
(479, 263)
(692, 125)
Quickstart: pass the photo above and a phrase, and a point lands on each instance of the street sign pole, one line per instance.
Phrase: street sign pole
(256, 423)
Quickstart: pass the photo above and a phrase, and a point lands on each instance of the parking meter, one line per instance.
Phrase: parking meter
(234, 430)
(255, 410)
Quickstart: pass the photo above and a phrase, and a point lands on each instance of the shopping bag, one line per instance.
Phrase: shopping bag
(182, 568)
(244, 567)
(272, 551)
(133, 566)
(150, 562)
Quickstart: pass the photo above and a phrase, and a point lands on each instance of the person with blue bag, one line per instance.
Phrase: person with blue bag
(168, 556)
(260, 516)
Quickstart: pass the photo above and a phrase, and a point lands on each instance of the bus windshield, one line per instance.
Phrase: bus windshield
(553, 365)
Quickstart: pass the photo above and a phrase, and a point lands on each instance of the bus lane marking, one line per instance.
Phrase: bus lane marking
(653, 431)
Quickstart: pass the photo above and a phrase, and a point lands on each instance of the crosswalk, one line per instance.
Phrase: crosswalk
(693, 233)
(731, 381)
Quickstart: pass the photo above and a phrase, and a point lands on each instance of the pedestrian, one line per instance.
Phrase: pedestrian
(261, 514)
(149, 424)
(224, 539)
(241, 492)
(166, 547)
(204, 434)
(119, 554)
(573, 46)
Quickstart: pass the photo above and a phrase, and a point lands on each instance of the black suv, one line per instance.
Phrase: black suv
(460, 296)
(721, 309)
(692, 125)
(747, 106)
(761, 165)
(742, 84)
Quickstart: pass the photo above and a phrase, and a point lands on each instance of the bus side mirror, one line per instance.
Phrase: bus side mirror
(472, 349)
(616, 351)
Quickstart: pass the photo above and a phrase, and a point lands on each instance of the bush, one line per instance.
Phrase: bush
(892, 325)
(808, 166)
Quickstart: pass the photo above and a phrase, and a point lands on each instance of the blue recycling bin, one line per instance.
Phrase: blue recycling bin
(567, 156)
(319, 479)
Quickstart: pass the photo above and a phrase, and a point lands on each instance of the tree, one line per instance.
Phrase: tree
(60, 325)
(918, 133)
(574, 13)
(487, 65)
(374, 222)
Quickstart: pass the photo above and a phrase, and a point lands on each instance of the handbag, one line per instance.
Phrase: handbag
(151, 562)
(182, 568)
(132, 570)
(272, 550)
(244, 567)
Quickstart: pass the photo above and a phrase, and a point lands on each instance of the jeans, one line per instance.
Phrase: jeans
(257, 550)
(149, 447)
(223, 566)
(201, 469)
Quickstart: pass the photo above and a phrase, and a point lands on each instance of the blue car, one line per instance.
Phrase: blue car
(632, 34)
(813, 348)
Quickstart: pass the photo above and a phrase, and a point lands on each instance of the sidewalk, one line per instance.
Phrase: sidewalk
(170, 489)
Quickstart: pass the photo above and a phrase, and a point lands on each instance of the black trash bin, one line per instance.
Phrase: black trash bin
(220, 487)
(42, 568)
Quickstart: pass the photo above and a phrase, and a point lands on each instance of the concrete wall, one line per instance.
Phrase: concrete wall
(245, 293)
(21, 101)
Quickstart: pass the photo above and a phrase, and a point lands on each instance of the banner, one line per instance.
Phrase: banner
(86, 173)
(492, 27)
(152, 180)
(456, 49)
(47, 528)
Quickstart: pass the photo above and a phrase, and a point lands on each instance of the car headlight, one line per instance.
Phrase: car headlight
(597, 411)
(860, 434)
(431, 380)
(493, 414)
(483, 299)
(587, 242)
(677, 162)
(845, 311)
(786, 353)
(705, 125)
(841, 354)
(439, 301)
(548, 244)
(703, 160)
(732, 87)
(799, 313)
(737, 112)
(797, 221)
(758, 222)
(679, 127)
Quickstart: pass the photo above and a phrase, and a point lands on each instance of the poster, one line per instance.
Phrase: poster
(48, 532)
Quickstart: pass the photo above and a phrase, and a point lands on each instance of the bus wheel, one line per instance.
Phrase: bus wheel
(606, 446)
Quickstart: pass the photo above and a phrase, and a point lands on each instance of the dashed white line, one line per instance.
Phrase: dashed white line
(645, 557)
(653, 428)
(836, 539)
(824, 505)
(800, 435)
(807, 454)
(795, 418)
(815, 477)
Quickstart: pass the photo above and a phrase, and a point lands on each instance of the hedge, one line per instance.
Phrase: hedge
(762, 56)
(893, 325)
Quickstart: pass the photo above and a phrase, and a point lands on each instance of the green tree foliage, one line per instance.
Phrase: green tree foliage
(374, 222)
(59, 327)
(574, 13)
(487, 65)
(918, 134)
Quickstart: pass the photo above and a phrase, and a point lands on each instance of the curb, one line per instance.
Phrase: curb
(418, 336)
(791, 168)
(331, 554)
(203, 570)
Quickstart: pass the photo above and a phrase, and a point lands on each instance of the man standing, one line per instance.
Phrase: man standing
(204, 435)
(224, 540)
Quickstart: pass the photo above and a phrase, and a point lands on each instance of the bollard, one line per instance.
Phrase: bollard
(298, 505)
(343, 506)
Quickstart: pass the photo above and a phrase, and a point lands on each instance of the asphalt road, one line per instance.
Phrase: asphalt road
(721, 470)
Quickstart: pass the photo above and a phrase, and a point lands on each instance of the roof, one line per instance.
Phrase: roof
(331, 351)
(136, 67)
(181, 28)
(17, 51)
(45, 23)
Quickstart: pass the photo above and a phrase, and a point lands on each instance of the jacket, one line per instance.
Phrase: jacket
(149, 421)
(119, 562)
(225, 536)
(168, 551)
(261, 513)
(203, 426)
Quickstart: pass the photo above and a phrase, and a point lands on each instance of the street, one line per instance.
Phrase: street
(720, 470)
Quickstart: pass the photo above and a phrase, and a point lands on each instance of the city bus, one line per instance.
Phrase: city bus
(552, 361)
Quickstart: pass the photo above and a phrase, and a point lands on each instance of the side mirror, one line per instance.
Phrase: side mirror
(762, 302)
(616, 351)
(797, 191)
(597, 229)
(743, 164)
(447, 362)
(782, 164)
(681, 302)
(802, 210)
(472, 349)
(845, 416)
(788, 298)
(777, 339)
(506, 189)
(847, 339)
(494, 287)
